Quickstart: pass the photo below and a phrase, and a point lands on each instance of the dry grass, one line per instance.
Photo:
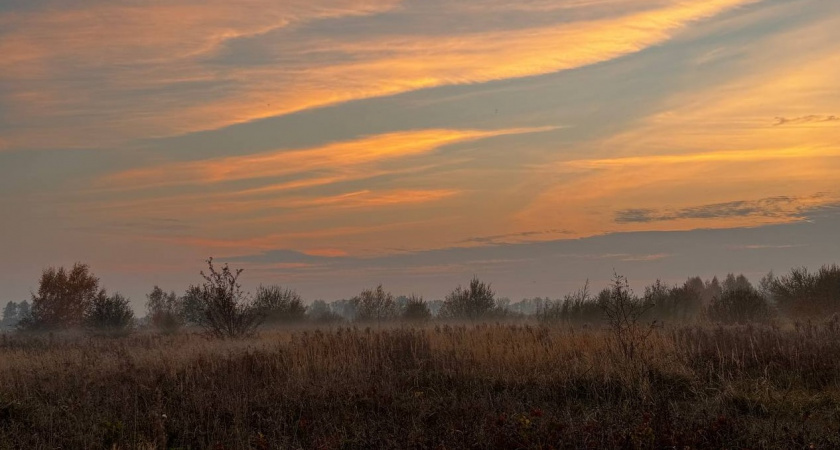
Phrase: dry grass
(441, 386)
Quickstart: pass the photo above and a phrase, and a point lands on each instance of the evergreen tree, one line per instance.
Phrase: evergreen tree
(10, 315)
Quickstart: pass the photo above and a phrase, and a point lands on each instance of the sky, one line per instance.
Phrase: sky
(333, 145)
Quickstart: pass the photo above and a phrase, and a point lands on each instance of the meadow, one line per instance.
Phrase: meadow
(705, 364)
(518, 384)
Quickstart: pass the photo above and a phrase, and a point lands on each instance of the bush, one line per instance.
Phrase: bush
(62, 299)
(164, 311)
(472, 303)
(679, 303)
(279, 305)
(375, 305)
(804, 294)
(577, 307)
(416, 310)
(109, 314)
(10, 315)
(740, 305)
(226, 311)
(623, 313)
(192, 306)
(320, 312)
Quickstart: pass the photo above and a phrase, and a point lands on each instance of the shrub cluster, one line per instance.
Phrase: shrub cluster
(73, 298)
(805, 294)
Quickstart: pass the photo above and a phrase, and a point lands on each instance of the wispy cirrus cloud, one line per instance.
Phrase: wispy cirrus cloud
(718, 143)
(518, 237)
(724, 156)
(312, 162)
(811, 118)
(773, 207)
(766, 246)
(366, 199)
(152, 75)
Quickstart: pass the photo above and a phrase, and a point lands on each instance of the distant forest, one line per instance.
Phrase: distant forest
(72, 298)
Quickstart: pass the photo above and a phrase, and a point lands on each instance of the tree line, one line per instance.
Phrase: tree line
(73, 298)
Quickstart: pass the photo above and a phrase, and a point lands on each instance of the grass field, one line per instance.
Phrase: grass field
(439, 386)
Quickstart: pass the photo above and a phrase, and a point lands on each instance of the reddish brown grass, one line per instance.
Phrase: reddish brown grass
(441, 386)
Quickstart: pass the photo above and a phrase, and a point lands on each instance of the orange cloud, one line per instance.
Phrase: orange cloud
(125, 47)
(163, 52)
(391, 65)
(351, 200)
(720, 145)
(634, 162)
(139, 32)
(334, 157)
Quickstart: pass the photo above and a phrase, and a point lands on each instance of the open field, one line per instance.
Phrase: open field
(440, 386)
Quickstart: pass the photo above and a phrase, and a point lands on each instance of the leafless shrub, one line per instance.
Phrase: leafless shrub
(805, 294)
(375, 305)
(740, 305)
(279, 305)
(577, 307)
(227, 311)
(471, 303)
(623, 313)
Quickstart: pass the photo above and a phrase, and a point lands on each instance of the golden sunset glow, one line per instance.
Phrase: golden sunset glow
(343, 155)
(402, 140)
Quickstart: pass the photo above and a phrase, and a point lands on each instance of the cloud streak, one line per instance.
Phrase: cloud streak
(151, 75)
(337, 157)
(812, 118)
(772, 207)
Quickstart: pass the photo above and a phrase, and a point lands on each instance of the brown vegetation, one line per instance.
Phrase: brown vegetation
(705, 364)
(441, 386)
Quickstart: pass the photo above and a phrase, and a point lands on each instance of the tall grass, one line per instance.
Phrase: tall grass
(436, 386)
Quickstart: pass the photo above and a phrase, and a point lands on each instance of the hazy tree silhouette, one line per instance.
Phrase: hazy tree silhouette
(109, 314)
(226, 310)
(674, 302)
(63, 298)
(192, 306)
(24, 310)
(741, 305)
(375, 305)
(624, 313)
(10, 315)
(279, 305)
(733, 283)
(470, 303)
(320, 312)
(805, 294)
(416, 310)
(579, 307)
(164, 311)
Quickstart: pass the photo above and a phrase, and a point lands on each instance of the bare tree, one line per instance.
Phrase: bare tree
(227, 311)
(740, 304)
(375, 305)
(279, 304)
(623, 312)
(472, 303)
